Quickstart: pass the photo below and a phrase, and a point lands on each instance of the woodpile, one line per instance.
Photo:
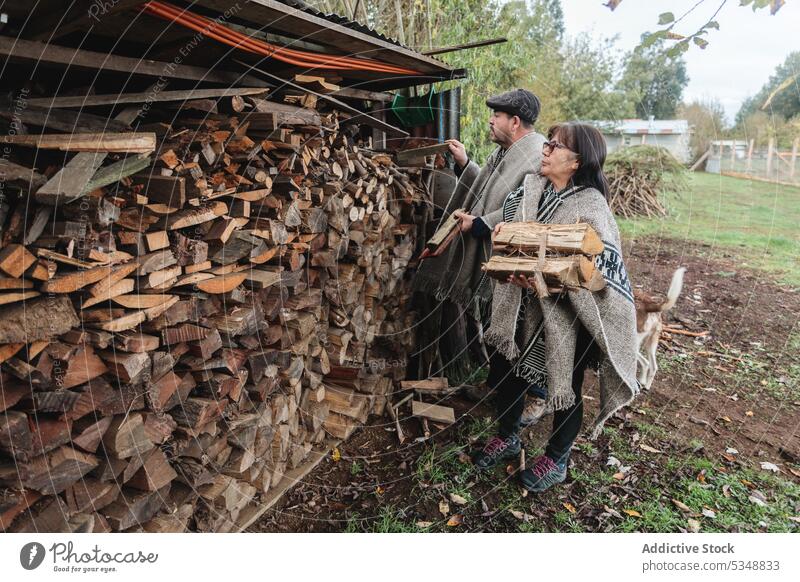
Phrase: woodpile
(189, 310)
(639, 177)
(556, 256)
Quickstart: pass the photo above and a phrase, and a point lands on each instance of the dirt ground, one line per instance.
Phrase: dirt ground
(686, 455)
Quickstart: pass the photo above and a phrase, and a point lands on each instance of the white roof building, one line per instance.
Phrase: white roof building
(672, 134)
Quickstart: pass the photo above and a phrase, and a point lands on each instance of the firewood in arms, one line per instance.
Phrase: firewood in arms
(561, 238)
(571, 272)
(443, 236)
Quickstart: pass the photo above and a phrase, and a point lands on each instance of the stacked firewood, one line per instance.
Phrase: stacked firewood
(184, 328)
(640, 177)
(555, 256)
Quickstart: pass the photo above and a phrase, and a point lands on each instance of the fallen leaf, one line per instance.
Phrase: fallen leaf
(682, 506)
(726, 419)
(649, 449)
(748, 484)
(444, 508)
(749, 413)
(619, 476)
(794, 472)
(336, 456)
(455, 520)
(726, 490)
(424, 524)
(612, 511)
(731, 451)
(701, 476)
(632, 512)
(464, 458)
(767, 466)
(709, 513)
(457, 499)
(794, 519)
(378, 490)
(569, 507)
(758, 498)
(693, 525)
(526, 517)
(613, 461)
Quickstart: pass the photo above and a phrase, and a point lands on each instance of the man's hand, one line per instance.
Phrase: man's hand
(458, 151)
(465, 220)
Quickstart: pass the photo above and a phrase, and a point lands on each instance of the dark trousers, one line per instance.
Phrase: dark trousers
(510, 392)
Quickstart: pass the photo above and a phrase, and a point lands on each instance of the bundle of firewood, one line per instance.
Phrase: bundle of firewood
(639, 177)
(180, 328)
(556, 256)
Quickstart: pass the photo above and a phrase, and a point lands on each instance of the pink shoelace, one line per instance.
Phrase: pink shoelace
(543, 466)
(494, 445)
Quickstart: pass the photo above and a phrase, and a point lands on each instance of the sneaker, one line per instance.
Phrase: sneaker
(544, 474)
(535, 409)
(495, 451)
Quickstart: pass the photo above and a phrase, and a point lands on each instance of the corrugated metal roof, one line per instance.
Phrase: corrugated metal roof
(643, 126)
(341, 20)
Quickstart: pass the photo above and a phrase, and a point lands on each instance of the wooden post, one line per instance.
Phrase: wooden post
(750, 155)
(795, 143)
(769, 156)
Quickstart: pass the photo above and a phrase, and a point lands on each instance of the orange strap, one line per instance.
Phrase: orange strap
(218, 32)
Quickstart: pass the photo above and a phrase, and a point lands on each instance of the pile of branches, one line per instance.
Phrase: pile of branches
(639, 177)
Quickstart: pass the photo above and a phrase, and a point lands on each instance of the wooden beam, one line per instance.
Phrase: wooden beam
(433, 412)
(147, 97)
(354, 93)
(256, 509)
(89, 15)
(63, 120)
(469, 45)
(48, 53)
(136, 142)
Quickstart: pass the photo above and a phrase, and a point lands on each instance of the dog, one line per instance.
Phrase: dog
(650, 324)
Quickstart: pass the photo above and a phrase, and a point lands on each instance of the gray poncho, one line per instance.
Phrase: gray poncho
(456, 274)
(608, 315)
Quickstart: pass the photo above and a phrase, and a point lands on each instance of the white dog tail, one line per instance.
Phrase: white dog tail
(675, 288)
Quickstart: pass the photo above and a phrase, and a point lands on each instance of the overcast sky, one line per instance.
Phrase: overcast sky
(739, 59)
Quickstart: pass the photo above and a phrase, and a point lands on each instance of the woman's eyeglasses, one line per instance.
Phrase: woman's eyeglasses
(549, 146)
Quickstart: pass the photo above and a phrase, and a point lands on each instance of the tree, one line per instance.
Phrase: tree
(588, 81)
(707, 122)
(654, 80)
(784, 87)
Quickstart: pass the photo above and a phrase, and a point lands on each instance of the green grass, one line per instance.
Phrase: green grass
(756, 219)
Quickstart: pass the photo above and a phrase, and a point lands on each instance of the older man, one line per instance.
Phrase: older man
(456, 273)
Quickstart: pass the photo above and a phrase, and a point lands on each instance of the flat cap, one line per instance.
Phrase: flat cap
(519, 102)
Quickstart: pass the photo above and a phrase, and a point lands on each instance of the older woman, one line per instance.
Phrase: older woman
(553, 340)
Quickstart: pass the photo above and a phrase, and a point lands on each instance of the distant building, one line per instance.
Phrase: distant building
(672, 134)
(721, 147)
